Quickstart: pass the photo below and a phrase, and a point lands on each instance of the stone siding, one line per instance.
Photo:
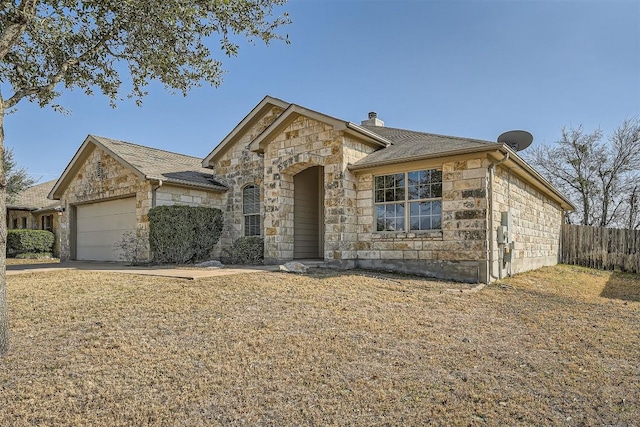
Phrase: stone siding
(13, 214)
(101, 178)
(536, 222)
(457, 251)
(169, 195)
(238, 167)
(307, 143)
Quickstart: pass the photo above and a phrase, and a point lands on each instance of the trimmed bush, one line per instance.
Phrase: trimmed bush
(31, 255)
(246, 250)
(183, 234)
(29, 241)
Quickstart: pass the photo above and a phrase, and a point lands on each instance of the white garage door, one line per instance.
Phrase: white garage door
(101, 225)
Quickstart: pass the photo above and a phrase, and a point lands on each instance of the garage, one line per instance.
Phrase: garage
(99, 226)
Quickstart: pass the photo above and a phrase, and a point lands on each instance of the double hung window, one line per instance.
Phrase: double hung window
(251, 210)
(408, 201)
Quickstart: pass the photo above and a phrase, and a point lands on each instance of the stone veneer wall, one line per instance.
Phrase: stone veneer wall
(18, 214)
(536, 221)
(306, 143)
(169, 195)
(352, 151)
(457, 251)
(236, 168)
(115, 181)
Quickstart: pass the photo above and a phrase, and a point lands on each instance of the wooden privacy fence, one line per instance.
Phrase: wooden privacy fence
(603, 248)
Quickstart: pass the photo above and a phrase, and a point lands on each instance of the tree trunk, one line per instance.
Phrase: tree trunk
(586, 208)
(4, 316)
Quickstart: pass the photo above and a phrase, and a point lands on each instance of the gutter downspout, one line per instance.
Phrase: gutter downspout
(492, 168)
(153, 193)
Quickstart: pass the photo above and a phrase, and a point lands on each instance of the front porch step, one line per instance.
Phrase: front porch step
(312, 263)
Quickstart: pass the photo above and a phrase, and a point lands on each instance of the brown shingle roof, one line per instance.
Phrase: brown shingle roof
(408, 144)
(34, 198)
(154, 163)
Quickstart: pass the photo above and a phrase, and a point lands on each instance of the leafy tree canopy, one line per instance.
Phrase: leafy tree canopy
(86, 44)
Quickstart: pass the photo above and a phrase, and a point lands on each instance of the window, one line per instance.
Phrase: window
(47, 222)
(251, 210)
(24, 222)
(408, 201)
(15, 223)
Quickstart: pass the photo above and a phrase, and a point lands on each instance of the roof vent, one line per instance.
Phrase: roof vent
(373, 120)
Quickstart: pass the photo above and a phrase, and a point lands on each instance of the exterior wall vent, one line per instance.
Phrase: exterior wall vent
(99, 170)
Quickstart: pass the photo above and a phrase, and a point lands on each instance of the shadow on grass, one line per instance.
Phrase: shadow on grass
(622, 286)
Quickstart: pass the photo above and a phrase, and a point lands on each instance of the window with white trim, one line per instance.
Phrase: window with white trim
(408, 201)
(251, 210)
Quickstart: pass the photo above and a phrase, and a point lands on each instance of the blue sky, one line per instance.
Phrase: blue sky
(463, 68)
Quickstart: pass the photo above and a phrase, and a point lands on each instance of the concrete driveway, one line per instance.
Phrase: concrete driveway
(191, 273)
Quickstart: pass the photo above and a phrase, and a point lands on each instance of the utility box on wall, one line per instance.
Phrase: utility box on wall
(505, 220)
(503, 234)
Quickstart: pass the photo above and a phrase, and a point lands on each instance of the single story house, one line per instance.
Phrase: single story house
(33, 210)
(319, 187)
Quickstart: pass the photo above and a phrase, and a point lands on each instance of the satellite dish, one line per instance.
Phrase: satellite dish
(516, 139)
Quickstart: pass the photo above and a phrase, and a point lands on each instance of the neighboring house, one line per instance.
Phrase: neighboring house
(32, 209)
(109, 186)
(318, 187)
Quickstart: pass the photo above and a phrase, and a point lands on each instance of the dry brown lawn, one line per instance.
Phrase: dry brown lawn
(559, 346)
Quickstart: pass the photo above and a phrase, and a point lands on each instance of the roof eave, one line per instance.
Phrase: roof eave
(47, 209)
(20, 208)
(188, 184)
(564, 202)
(358, 168)
(369, 135)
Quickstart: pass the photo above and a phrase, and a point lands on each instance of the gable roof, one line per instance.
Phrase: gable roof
(411, 145)
(290, 113)
(267, 103)
(294, 111)
(34, 198)
(146, 162)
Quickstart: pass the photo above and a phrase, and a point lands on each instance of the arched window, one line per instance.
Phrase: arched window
(251, 210)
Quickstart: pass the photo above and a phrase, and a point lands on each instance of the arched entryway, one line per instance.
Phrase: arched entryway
(308, 214)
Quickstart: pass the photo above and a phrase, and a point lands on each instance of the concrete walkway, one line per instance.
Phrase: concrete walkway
(191, 273)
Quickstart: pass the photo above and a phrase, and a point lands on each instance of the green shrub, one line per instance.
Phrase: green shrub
(183, 234)
(29, 241)
(246, 250)
(32, 255)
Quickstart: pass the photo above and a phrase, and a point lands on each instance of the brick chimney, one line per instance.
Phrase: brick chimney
(373, 120)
